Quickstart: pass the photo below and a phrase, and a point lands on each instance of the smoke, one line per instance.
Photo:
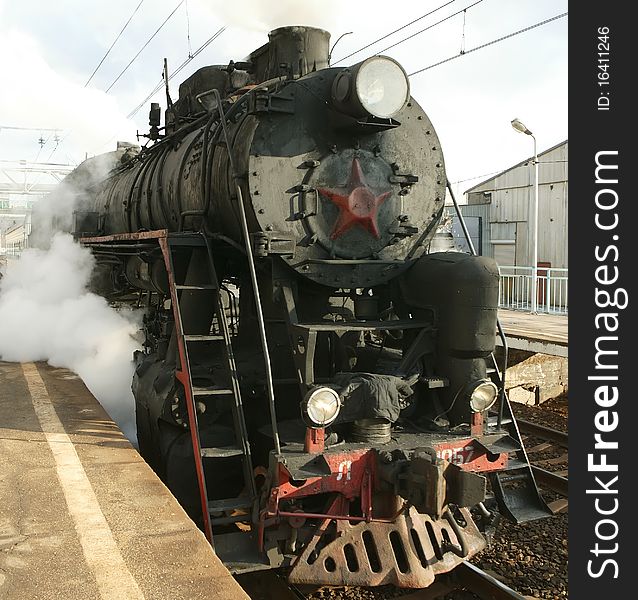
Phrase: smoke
(45, 95)
(47, 312)
(55, 212)
(262, 16)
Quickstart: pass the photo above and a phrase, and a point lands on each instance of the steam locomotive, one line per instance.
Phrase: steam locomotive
(317, 388)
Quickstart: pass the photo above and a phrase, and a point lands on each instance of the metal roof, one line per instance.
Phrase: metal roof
(515, 166)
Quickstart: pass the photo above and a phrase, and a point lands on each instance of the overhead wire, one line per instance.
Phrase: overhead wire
(16, 128)
(144, 46)
(463, 34)
(57, 144)
(458, 12)
(387, 35)
(463, 52)
(159, 86)
(496, 41)
(114, 42)
(191, 56)
(42, 147)
(475, 177)
(188, 30)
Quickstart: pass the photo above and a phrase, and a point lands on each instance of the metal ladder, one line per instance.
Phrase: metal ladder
(200, 249)
(520, 501)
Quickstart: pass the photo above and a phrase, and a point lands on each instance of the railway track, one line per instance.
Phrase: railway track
(555, 481)
(466, 578)
(269, 585)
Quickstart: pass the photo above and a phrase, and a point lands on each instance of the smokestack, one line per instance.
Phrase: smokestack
(293, 51)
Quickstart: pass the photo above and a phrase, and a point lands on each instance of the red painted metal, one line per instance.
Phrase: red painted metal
(315, 440)
(347, 472)
(357, 202)
(470, 456)
(476, 426)
(183, 376)
(352, 474)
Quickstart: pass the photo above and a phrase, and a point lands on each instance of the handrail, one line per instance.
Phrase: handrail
(253, 276)
(515, 288)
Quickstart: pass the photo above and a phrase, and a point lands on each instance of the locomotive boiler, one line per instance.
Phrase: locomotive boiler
(316, 388)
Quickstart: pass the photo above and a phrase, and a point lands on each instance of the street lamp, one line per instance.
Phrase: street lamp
(516, 124)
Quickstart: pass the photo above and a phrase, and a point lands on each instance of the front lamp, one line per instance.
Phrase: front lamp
(482, 394)
(320, 407)
(377, 87)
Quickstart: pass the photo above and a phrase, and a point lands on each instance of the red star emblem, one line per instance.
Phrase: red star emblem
(357, 204)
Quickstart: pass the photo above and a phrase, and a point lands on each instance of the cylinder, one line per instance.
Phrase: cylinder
(463, 289)
(372, 431)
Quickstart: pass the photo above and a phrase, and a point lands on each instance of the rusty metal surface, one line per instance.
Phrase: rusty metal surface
(551, 481)
(183, 375)
(125, 237)
(473, 579)
(467, 577)
(558, 506)
(408, 553)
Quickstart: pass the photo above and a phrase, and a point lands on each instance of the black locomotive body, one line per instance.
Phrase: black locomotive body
(315, 387)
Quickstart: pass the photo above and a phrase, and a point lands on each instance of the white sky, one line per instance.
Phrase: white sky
(49, 49)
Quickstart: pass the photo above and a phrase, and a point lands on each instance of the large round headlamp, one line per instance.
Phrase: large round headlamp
(321, 406)
(378, 86)
(482, 395)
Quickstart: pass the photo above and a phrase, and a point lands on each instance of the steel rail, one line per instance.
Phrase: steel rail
(542, 432)
(484, 585)
(546, 479)
(466, 577)
(551, 481)
(268, 584)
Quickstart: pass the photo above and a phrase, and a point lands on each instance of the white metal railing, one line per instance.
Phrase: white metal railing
(515, 289)
(14, 250)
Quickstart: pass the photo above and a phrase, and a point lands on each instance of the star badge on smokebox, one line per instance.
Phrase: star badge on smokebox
(357, 203)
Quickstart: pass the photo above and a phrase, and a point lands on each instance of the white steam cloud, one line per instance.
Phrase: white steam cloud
(262, 16)
(86, 117)
(47, 313)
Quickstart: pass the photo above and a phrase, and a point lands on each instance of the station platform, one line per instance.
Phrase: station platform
(542, 333)
(82, 516)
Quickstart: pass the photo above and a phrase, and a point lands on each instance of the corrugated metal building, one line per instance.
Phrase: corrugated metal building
(499, 211)
(16, 237)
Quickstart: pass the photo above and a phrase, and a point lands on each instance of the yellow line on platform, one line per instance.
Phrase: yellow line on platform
(102, 555)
